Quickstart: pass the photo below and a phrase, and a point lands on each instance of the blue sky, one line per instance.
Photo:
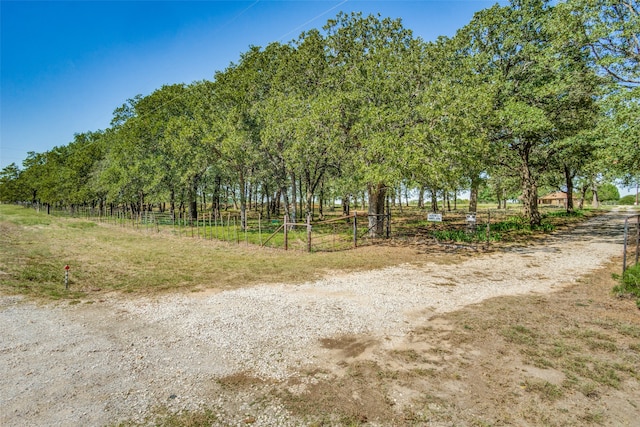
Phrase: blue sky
(66, 65)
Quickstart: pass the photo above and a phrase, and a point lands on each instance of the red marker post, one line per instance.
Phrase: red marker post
(66, 276)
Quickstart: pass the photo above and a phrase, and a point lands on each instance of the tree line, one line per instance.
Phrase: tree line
(526, 95)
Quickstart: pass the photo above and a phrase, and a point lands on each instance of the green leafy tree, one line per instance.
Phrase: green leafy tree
(609, 31)
(537, 101)
(10, 186)
(608, 193)
(367, 58)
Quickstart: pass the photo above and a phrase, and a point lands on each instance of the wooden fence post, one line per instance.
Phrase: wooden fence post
(308, 232)
(355, 229)
(488, 228)
(286, 233)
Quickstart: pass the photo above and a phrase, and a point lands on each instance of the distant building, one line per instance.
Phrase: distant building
(559, 198)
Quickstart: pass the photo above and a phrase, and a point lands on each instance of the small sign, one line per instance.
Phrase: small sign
(471, 217)
(434, 217)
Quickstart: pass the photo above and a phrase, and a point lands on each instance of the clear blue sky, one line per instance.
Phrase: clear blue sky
(66, 65)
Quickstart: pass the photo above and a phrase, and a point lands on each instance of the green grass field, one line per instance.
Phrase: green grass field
(102, 258)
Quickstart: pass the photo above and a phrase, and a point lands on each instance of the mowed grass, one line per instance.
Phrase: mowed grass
(35, 247)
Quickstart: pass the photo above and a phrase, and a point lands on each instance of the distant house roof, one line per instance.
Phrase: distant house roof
(558, 195)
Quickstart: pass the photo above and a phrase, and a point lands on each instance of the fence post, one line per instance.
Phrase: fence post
(355, 229)
(624, 249)
(388, 218)
(260, 227)
(308, 232)
(488, 227)
(215, 224)
(286, 233)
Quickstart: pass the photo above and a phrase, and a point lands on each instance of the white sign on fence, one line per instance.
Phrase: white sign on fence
(435, 217)
(471, 217)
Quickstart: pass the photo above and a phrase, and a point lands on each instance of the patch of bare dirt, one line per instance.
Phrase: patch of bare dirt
(571, 358)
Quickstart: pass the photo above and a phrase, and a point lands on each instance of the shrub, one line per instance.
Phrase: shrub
(629, 199)
(629, 284)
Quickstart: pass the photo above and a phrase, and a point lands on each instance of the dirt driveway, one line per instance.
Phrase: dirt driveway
(244, 354)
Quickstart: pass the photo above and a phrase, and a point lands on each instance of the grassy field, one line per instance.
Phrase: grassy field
(102, 258)
(107, 257)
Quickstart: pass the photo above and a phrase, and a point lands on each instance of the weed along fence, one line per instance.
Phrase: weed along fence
(460, 228)
(631, 240)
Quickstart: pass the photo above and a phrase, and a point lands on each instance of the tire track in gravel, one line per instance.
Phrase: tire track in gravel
(116, 359)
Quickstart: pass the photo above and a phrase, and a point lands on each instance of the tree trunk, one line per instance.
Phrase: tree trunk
(473, 195)
(309, 201)
(243, 200)
(434, 200)
(377, 196)
(321, 200)
(530, 196)
(583, 195)
(301, 201)
(172, 204)
(277, 201)
(215, 198)
(595, 203)
(568, 176)
(421, 197)
(294, 199)
(346, 204)
(193, 201)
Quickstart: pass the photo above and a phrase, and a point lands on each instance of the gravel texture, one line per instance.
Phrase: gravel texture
(116, 359)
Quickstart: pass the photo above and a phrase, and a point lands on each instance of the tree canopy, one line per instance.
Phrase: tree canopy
(526, 94)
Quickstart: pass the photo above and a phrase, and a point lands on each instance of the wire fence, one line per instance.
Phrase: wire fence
(334, 234)
(459, 228)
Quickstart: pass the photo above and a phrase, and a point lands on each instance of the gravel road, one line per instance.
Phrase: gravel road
(96, 364)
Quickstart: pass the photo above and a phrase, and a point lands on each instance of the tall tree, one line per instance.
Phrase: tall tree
(542, 88)
(609, 29)
(366, 58)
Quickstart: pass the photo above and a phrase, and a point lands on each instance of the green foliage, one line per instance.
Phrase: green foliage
(362, 106)
(607, 192)
(10, 188)
(629, 284)
(578, 213)
(543, 91)
(629, 199)
(463, 236)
